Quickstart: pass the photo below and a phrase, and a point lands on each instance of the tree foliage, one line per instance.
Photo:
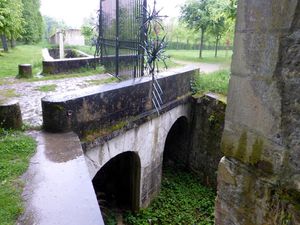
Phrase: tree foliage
(217, 17)
(33, 27)
(51, 25)
(11, 20)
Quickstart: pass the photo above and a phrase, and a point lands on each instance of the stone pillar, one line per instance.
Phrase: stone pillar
(61, 45)
(259, 177)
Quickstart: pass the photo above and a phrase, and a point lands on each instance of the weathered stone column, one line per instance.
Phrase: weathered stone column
(259, 179)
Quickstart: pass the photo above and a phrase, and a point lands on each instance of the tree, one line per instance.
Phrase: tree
(223, 14)
(33, 27)
(10, 21)
(196, 15)
(89, 28)
(51, 25)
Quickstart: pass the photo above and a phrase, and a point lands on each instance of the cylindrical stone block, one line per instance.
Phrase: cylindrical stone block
(25, 71)
(10, 115)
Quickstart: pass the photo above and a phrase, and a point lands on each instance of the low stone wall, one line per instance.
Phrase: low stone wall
(208, 113)
(99, 112)
(57, 66)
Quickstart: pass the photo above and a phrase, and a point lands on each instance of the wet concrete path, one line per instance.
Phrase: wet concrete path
(58, 189)
(29, 96)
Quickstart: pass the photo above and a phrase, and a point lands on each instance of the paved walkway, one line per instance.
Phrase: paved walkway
(30, 98)
(58, 188)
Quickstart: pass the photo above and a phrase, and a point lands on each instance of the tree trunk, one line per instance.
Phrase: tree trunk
(12, 43)
(177, 44)
(4, 42)
(216, 47)
(201, 43)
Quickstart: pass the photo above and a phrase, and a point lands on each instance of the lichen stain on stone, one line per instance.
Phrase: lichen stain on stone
(227, 148)
(265, 166)
(101, 132)
(58, 107)
(241, 153)
(257, 150)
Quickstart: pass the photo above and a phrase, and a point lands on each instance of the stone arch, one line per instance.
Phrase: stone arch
(117, 183)
(176, 146)
(148, 141)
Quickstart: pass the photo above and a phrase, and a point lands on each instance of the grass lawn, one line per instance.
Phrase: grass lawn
(16, 149)
(208, 56)
(20, 55)
(216, 82)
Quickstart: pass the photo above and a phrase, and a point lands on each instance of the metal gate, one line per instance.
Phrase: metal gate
(120, 36)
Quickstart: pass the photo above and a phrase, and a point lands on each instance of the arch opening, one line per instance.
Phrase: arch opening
(176, 148)
(117, 183)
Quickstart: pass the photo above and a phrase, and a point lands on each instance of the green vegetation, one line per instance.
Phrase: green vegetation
(51, 25)
(47, 88)
(20, 55)
(16, 150)
(20, 19)
(182, 200)
(216, 82)
(8, 93)
(215, 17)
(33, 22)
(11, 21)
(207, 56)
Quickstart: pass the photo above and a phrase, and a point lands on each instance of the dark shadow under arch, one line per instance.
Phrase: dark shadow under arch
(176, 150)
(117, 183)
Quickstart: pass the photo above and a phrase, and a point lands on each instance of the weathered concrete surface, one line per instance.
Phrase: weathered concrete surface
(58, 188)
(258, 180)
(56, 66)
(98, 112)
(148, 141)
(10, 115)
(208, 115)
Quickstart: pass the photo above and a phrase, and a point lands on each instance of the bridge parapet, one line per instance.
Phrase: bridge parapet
(101, 112)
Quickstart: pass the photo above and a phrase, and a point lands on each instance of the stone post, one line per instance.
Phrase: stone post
(61, 45)
(10, 115)
(25, 71)
(259, 177)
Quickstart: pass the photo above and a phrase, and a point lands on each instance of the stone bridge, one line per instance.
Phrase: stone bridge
(124, 139)
(112, 140)
(122, 120)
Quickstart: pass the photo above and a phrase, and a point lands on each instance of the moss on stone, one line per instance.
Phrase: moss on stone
(241, 153)
(93, 134)
(58, 107)
(265, 166)
(257, 149)
(227, 148)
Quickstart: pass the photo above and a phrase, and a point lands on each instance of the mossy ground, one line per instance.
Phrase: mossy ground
(15, 149)
(182, 200)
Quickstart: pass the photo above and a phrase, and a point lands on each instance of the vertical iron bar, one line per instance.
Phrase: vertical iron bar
(143, 35)
(117, 37)
(101, 30)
